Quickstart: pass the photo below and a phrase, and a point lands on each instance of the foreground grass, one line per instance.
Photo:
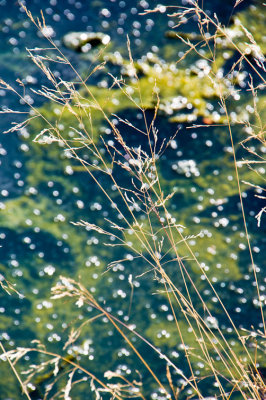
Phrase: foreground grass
(157, 242)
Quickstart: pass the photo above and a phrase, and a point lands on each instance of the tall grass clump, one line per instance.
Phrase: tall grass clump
(124, 160)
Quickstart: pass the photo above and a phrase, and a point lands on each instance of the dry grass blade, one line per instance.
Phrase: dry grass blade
(237, 3)
(12, 365)
(157, 240)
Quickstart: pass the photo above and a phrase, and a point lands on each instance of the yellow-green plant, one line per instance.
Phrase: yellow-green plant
(160, 239)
